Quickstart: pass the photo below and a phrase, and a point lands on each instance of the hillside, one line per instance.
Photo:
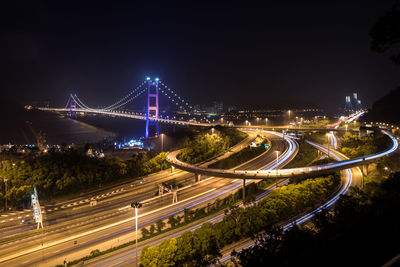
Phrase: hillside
(386, 109)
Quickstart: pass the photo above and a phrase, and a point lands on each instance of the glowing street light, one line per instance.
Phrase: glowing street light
(212, 130)
(147, 78)
(136, 205)
(289, 114)
(266, 121)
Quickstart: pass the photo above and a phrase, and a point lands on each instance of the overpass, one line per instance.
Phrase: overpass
(311, 171)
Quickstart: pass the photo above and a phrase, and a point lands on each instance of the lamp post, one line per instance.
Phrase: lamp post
(289, 115)
(136, 205)
(266, 121)
(277, 160)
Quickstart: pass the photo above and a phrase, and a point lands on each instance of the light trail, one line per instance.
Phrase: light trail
(343, 190)
(284, 173)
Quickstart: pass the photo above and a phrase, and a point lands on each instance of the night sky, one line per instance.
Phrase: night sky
(284, 54)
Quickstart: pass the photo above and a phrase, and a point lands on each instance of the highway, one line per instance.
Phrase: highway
(81, 236)
(107, 199)
(348, 177)
(285, 173)
(126, 256)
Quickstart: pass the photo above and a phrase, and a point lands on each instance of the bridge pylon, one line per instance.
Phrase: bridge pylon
(72, 107)
(152, 105)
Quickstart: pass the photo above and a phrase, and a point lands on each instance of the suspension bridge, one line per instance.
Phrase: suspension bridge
(152, 116)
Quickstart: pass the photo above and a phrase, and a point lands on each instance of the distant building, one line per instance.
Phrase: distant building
(218, 107)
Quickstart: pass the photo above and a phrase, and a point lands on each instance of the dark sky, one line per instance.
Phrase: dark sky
(286, 53)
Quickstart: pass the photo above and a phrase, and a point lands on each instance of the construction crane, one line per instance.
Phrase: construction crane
(40, 137)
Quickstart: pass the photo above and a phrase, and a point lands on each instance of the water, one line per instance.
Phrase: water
(15, 120)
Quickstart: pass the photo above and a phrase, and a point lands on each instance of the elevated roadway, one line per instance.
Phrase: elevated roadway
(284, 173)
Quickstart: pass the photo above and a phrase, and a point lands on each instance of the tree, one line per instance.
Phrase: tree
(385, 33)
(160, 255)
(152, 229)
(145, 232)
(172, 221)
(186, 250)
(160, 225)
(206, 245)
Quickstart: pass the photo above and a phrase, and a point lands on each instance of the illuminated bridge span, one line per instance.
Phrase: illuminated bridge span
(151, 116)
(127, 114)
(284, 173)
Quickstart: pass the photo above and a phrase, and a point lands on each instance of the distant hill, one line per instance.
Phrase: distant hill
(386, 109)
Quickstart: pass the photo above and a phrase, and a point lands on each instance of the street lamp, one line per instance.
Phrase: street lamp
(136, 205)
(277, 160)
(246, 122)
(266, 121)
(212, 130)
(346, 126)
(289, 115)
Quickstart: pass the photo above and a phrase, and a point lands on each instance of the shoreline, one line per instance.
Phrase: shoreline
(92, 127)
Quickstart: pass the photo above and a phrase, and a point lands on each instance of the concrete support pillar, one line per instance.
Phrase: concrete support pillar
(244, 190)
(172, 169)
(174, 196)
(198, 177)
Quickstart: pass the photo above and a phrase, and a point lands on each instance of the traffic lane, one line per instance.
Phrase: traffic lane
(78, 212)
(102, 218)
(100, 235)
(277, 144)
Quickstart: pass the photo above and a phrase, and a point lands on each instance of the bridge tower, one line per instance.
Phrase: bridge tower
(152, 105)
(348, 107)
(72, 107)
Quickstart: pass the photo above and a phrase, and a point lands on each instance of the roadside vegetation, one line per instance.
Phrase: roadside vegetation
(240, 157)
(210, 143)
(202, 247)
(354, 146)
(363, 223)
(57, 174)
(318, 124)
(307, 154)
